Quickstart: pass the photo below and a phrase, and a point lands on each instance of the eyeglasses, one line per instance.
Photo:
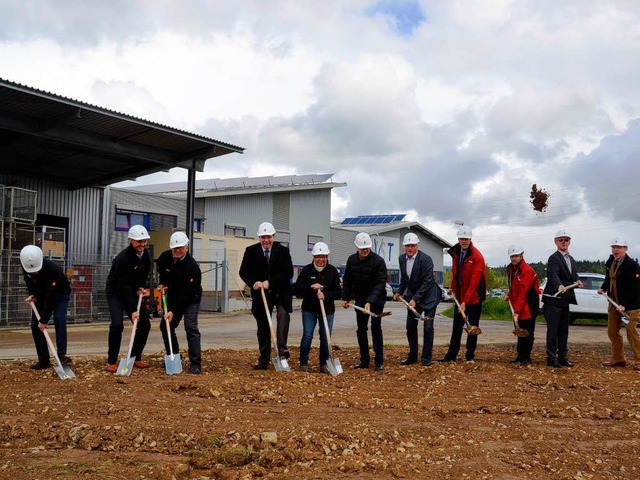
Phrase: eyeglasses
(563, 239)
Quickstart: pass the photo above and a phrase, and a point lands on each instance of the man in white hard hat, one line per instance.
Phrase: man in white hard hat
(562, 271)
(127, 279)
(469, 285)
(622, 285)
(267, 265)
(317, 282)
(365, 280)
(420, 290)
(181, 280)
(49, 289)
(524, 297)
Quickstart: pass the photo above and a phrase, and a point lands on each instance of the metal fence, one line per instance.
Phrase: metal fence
(88, 275)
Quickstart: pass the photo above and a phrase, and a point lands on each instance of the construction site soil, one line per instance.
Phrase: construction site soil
(481, 420)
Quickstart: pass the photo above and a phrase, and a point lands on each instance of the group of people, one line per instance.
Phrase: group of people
(128, 279)
(267, 268)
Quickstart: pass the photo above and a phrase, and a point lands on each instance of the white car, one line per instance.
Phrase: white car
(389, 290)
(590, 303)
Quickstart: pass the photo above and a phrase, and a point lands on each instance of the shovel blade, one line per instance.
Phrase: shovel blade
(60, 371)
(68, 373)
(125, 367)
(520, 332)
(173, 365)
(281, 364)
(334, 366)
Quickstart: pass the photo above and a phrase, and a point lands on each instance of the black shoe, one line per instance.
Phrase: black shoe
(40, 366)
(64, 360)
(515, 360)
(445, 360)
(566, 363)
(469, 358)
(524, 363)
(324, 369)
(379, 368)
(408, 361)
(553, 363)
(195, 370)
(259, 365)
(361, 365)
(284, 353)
(426, 363)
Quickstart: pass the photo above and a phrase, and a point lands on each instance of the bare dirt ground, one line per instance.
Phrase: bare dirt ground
(483, 420)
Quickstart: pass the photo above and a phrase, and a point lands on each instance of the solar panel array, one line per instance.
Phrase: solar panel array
(373, 219)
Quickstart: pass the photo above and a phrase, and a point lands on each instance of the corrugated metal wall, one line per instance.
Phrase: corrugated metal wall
(310, 214)
(242, 210)
(82, 207)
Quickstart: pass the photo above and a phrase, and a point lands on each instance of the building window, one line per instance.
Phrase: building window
(197, 225)
(235, 231)
(312, 240)
(153, 222)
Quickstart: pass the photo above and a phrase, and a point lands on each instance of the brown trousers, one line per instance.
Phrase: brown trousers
(613, 330)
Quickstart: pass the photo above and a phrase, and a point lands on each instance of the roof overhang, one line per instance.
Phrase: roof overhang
(77, 145)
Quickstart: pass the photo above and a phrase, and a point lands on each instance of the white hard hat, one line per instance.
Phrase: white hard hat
(363, 240)
(266, 228)
(464, 232)
(618, 242)
(31, 259)
(562, 233)
(410, 239)
(178, 239)
(515, 250)
(138, 232)
(320, 248)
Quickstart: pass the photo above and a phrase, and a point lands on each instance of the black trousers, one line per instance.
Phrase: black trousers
(412, 334)
(264, 332)
(191, 330)
(362, 320)
(473, 315)
(557, 318)
(525, 344)
(116, 311)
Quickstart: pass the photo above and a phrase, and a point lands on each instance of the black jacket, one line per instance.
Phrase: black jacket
(278, 272)
(558, 274)
(627, 282)
(47, 285)
(183, 280)
(421, 286)
(329, 278)
(365, 280)
(127, 274)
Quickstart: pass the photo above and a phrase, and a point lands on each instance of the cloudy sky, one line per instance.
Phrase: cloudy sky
(445, 110)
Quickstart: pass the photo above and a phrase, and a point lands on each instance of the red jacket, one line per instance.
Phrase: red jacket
(522, 282)
(473, 277)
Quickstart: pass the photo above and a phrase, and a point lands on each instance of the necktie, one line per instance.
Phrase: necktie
(266, 254)
(568, 261)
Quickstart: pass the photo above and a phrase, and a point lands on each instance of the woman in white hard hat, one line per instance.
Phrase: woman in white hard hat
(317, 282)
(523, 295)
(128, 277)
(181, 280)
(49, 289)
(365, 280)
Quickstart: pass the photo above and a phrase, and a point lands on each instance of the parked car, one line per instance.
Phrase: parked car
(389, 291)
(590, 304)
(497, 293)
(445, 296)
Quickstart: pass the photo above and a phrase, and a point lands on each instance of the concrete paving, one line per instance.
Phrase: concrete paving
(238, 330)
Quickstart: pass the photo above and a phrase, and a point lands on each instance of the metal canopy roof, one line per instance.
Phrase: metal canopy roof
(79, 145)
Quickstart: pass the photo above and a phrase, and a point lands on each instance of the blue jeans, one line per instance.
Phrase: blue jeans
(191, 330)
(60, 323)
(309, 320)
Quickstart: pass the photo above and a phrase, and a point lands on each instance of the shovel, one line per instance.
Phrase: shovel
(125, 367)
(383, 314)
(625, 316)
(172, 363)
(63, 371)
(280, 364)
(517, 331)
(470, 329)
(333, 364)
(419, 316)
(555, 295)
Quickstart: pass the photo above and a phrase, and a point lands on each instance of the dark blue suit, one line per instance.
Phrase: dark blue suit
(556, 310)
(422, 288)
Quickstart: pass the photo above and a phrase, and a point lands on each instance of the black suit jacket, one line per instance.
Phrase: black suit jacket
(278, 272)
(421, 286)
(558, 274)
(627, 282)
